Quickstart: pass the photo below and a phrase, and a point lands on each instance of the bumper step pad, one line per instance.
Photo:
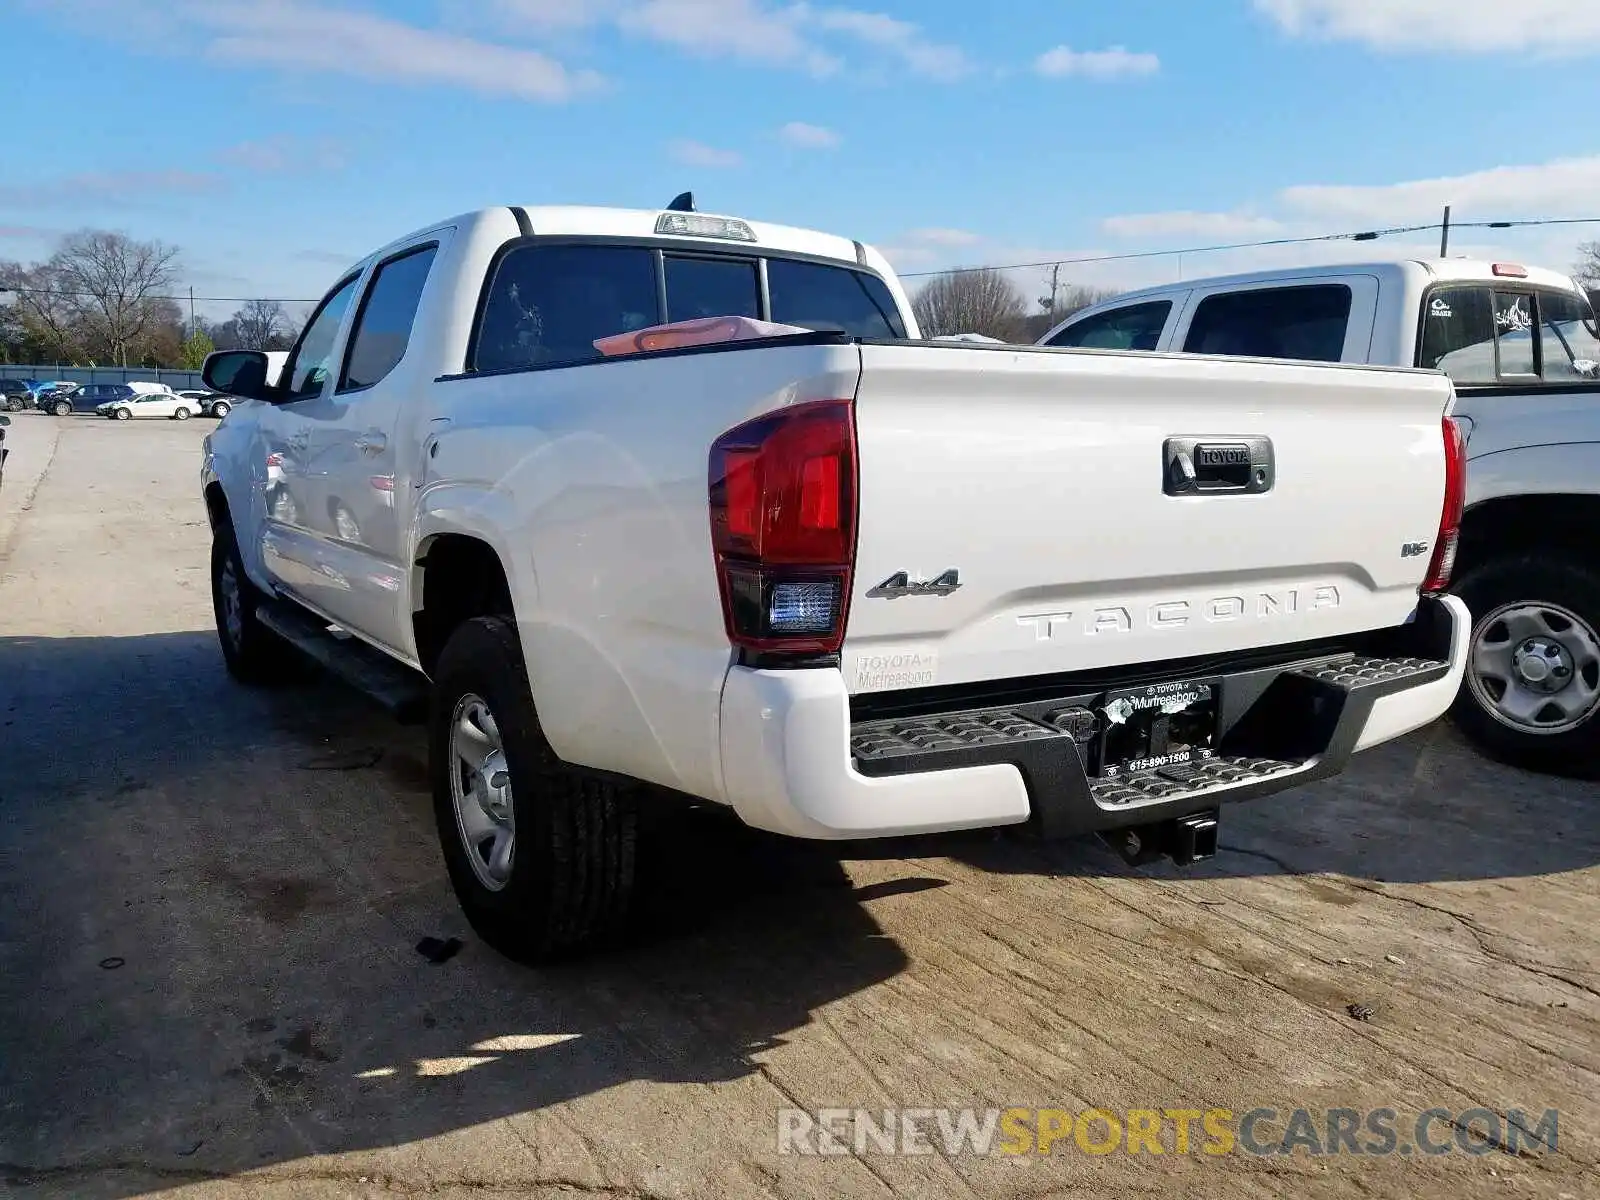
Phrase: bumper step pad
(1049, 741)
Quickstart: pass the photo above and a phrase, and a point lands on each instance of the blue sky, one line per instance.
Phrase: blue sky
(273, 140)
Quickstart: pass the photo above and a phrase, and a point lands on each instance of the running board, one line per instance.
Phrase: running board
(400, 690)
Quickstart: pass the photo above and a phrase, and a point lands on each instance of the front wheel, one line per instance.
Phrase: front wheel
(124, 414)
(1532, 688)
(540, 856)
(181, 415)
(13, 403)
(252, 652)
(221, 409)
(62, 409)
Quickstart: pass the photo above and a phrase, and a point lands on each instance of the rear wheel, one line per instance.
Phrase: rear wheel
(13, 403)
(1532, 689)
(541, 857)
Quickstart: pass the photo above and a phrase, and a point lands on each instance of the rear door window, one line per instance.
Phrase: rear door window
(1568, 338)
(711, 287)
(549, 304)
(1132, 327)
(383, 323)
(814, 296)
(1306, 323)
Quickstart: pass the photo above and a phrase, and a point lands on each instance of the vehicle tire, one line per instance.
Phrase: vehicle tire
(61, 408)
(252, 652)
(221, 409)
(124, 414)
(13, 403)
(1532, 689)
(563, 876)
(181, 414)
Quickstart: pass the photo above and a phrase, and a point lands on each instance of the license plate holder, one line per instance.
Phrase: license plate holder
(1158, 726)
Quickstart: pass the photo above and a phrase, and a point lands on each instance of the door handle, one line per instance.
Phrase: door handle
(371, 443)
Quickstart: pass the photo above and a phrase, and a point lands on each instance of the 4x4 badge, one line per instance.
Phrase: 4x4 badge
(901, 584)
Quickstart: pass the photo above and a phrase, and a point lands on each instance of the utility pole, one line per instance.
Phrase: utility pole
(1055, 285)
(193, 328)
(1444, 233)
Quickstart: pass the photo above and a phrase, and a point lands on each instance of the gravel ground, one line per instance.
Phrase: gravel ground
(210, 900)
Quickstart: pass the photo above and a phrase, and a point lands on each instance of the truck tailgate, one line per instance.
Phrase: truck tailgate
(1052, 484)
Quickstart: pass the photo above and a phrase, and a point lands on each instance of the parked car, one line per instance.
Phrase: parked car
(14, 394)
(148, 404)
(44, 392)
(1522, 347)
(209, 404)
(847, 582)
(5, 453)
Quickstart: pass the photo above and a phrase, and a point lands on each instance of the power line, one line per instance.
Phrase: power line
(1365, 235)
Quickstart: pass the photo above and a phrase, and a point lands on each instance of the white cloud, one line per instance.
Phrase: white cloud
(1556, 27)
(740, 28)
(945, 237)
(303, 38)
(809, 137)
(1190, 224)
(284, 154)
(900, 38)
(121, 188)
(1116, 63)
(698, 154)
(1565, 187)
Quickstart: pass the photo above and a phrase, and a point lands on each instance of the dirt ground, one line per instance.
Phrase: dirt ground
(211, 898)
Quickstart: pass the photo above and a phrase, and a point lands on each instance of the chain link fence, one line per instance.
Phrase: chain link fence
(174, 379)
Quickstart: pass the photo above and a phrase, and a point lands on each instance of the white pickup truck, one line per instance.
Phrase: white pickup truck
(1522, 347)
(846, 581)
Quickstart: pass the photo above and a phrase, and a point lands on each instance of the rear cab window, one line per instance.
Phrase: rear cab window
(547, 302)
(1482, 334)
(1307, 322)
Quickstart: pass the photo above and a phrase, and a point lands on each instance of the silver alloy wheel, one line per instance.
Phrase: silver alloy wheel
(1535, 667)
(480, 787)
(232, 604)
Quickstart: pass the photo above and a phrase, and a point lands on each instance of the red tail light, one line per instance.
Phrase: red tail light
(783, 527)
(1455, 499)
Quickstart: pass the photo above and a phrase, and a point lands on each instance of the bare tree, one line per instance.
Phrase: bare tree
(50, 316)
(1587, 269)
(115, 284)
(971, 301)
(261, 325)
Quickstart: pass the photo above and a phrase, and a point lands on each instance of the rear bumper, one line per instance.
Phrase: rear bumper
(795, 762)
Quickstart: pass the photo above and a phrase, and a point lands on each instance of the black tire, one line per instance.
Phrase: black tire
(13, 403)
(123, 414)
(572, 869)
(181, 414)
(1545, 579)
(254, 655)
(61, 408)
(221, 409)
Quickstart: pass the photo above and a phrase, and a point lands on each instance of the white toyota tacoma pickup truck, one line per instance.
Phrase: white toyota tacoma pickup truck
(846, 581)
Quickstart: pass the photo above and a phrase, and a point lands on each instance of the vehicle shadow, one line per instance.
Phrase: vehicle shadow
(209, 921)
(213, 896)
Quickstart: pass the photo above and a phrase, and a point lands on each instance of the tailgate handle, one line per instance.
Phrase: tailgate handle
(1218, 464)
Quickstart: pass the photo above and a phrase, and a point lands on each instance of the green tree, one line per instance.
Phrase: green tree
(195, 348)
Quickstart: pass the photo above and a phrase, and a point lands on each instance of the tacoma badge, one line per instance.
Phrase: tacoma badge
(901, 584)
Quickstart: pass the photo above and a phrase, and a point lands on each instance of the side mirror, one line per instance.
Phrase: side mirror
(251, 374)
